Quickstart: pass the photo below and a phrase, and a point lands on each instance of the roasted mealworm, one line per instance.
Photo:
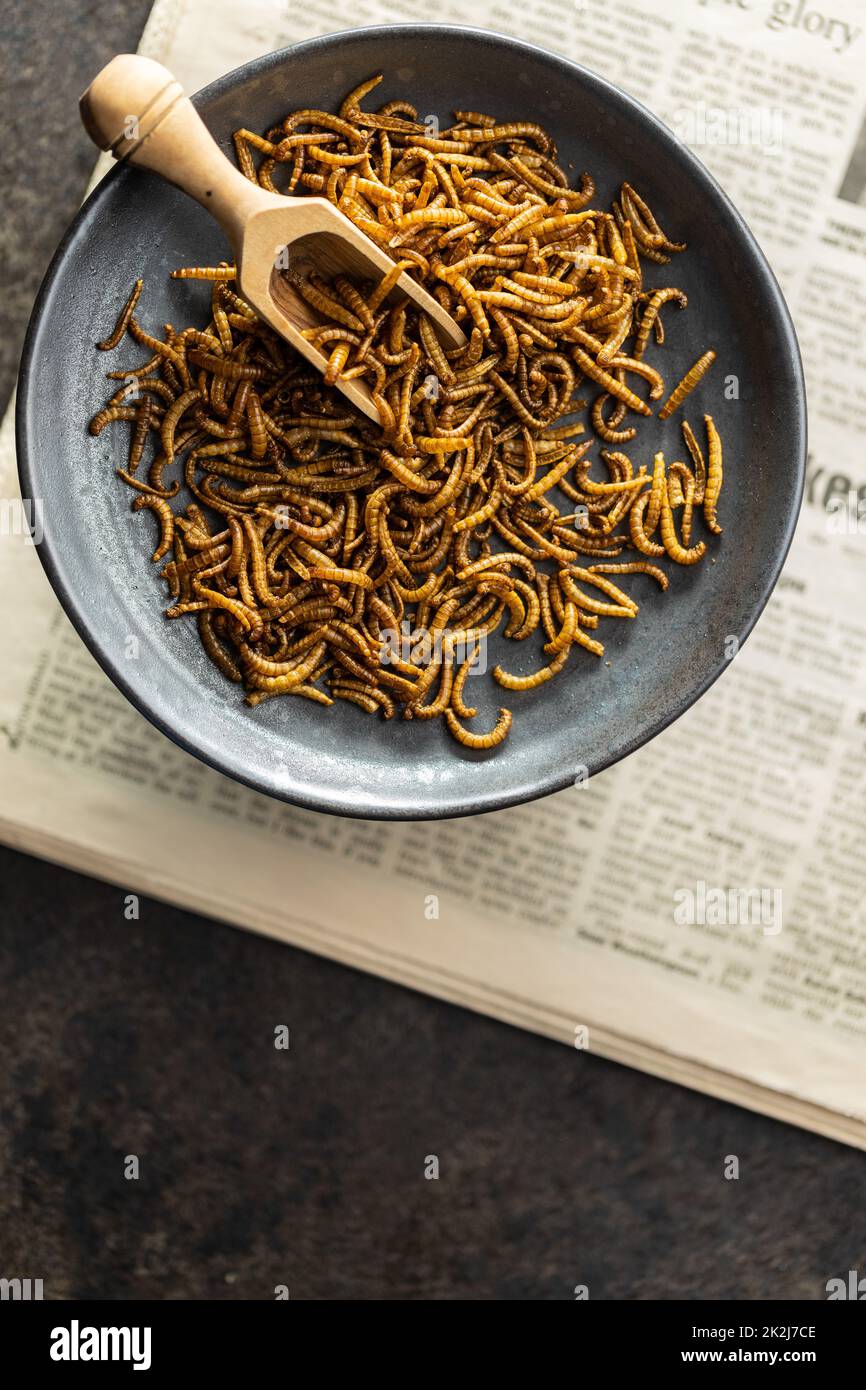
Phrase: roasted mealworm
(314, 548)
(122, 323)
(714, 475)
(489, 740)
(688, 384)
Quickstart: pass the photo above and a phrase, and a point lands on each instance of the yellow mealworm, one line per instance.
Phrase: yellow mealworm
(492, 739)
(714, 474)
(329, 557)
(671, 544)
(688, 384)
(123, 320)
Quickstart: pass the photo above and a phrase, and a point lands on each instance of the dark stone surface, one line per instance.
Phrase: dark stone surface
(306, 1167)
(50, 51)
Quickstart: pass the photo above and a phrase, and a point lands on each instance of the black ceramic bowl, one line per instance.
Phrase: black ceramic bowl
(96, 552)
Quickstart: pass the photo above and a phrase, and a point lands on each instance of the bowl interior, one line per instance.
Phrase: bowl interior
(340, 759)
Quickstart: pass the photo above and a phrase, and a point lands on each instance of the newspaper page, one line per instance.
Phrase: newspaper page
(648, 964)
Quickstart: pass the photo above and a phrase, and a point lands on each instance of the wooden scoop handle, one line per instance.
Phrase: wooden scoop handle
(137, 109)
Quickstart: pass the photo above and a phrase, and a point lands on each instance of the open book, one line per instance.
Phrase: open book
(727, 950)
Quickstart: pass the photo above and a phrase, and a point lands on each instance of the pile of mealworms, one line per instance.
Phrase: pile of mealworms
(312, 535)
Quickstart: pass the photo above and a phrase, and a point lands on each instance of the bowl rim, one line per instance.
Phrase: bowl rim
(796, 425)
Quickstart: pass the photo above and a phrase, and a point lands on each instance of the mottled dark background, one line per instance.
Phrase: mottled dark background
(305, 1168)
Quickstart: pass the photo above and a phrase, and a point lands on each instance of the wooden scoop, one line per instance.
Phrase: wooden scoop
(136, 109)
